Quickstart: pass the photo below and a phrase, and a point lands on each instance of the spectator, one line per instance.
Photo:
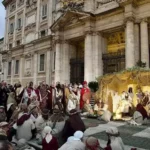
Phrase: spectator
(49, 142)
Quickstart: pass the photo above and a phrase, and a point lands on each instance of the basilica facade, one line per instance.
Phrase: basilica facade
(73, 40)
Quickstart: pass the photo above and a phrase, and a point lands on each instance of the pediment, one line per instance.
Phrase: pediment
(69, 18)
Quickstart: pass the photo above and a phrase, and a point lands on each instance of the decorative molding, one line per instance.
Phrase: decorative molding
(30, 26)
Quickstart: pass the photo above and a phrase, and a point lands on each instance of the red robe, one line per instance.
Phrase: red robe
(83, 91)
(52, 145)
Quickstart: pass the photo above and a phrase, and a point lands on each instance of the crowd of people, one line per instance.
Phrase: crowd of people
(49, 116)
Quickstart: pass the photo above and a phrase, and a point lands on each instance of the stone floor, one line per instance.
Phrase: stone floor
(133, 136)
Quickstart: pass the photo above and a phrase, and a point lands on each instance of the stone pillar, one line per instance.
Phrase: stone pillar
(21, 69)
(88, 63)
(58, 60)
(144, 43)
(66, 65)
(50, 15)
(37, 19)
(35, 67)
(23, 25)
(97, 55)
(129, 52)
(48, 66)
(14, 34)
(12, 70)
(137, 42)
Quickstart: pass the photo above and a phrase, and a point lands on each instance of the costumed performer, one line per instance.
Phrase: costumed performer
(84, 90)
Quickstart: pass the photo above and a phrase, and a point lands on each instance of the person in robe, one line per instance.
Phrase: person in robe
(92, 143)
(59, 96)
(43, 95)
(41, 122)
(10, 110)
(2, 114)
(51, 98)
(24, 128)
(84, 90)
(73, 123)
(139, 95)
(73, 100)
(99, 107)
(29, 93)
(87, 107)
(74, 142)
(140, 116)
(49, 142)
(19, 90)
(116, 101)
(114, 140)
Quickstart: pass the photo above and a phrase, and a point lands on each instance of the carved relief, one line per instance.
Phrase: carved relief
(73, 4)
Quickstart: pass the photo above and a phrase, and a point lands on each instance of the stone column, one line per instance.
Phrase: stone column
(129, 52)
(88, 59)
(50, 15)
(12, 70)
(137, 42)
(48, 66)
(4, 70)
(35, 67)
(37, 19)
(23, 25)
(66, 65)
(21, 69)
(144, 43)
(97, 55)
(14, 34)
(58, 60)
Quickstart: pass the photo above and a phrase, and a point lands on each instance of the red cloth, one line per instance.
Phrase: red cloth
(52, 145)
(83, 91)
(22, 119)
(108, 148)
(142, 110)
(37, 93)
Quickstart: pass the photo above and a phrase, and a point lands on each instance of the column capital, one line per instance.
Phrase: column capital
(89, 33)
(96, 33)
(58, 41)
(129, 19)
(144, 20)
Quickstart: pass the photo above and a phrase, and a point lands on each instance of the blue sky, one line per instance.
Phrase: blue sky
(2, 19)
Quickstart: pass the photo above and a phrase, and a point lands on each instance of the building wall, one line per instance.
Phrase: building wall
(50, 31)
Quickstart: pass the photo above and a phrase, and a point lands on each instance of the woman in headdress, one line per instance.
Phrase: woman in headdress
(49, 142)
(73, 124)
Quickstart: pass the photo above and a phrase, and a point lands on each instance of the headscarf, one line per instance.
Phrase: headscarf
(115, 140)
(78, 135)
(47, 134)
(92, 143)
